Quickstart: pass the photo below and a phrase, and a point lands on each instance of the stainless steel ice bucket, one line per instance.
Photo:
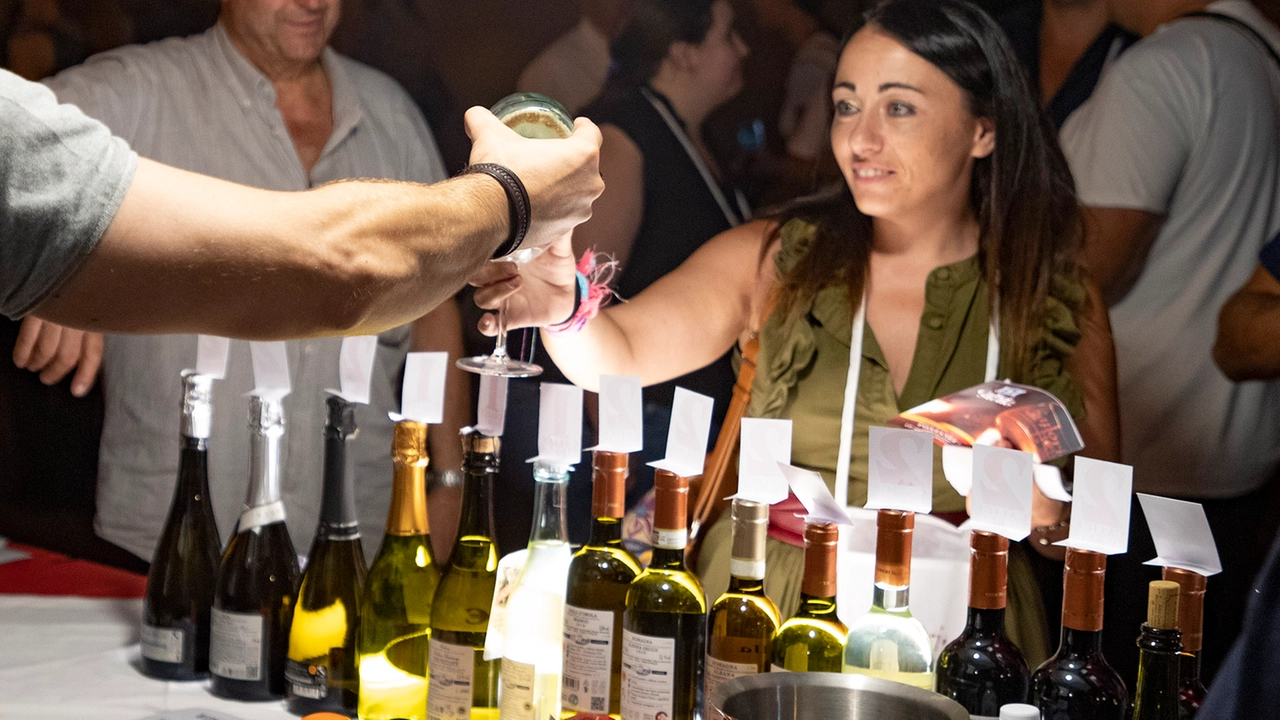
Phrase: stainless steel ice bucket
(826, 696)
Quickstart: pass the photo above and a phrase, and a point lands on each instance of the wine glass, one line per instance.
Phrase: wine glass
(533, 116)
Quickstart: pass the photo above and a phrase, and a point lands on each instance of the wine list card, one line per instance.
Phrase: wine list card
(900, 472)
(559, 424)
(687, 435)
(270, 369)
(211, 356)
(1100, 510)
(422, 396)
(762, 446)
(1001, 494)
(491, 415)
(621, 414)
(355, 368)
(1181, 534)
(810, 489)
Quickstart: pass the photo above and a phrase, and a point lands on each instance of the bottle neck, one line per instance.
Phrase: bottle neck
(551, 485)
(1189, 669)
(476, 518)
(408, 512)
(1158, 670)
(606, 532)
(894, 530)
(338, 517)
(264, 468)
(982, 621)
(890, 598)
(1084, 576)
(1080, 642)
(817, 608)
(193, 467)
(746, 586)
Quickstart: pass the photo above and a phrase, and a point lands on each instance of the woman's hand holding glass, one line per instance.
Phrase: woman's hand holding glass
(537, 293)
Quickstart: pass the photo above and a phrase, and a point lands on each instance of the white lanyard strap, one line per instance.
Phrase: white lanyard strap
(851, 389)
(716, 192)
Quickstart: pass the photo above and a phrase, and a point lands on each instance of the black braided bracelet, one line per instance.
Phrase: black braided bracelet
(517, 203)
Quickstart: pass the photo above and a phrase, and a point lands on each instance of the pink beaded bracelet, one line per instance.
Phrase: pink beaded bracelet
(591, 293)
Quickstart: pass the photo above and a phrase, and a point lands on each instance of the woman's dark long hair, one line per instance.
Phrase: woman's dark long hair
(1022, 194)
(651, 28)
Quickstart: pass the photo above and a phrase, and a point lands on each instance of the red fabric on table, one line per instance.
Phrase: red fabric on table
(51, 573)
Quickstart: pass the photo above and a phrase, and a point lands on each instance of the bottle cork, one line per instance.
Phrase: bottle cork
(1162, 605)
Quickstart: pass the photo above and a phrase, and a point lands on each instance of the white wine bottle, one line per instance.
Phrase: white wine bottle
(887, 642)
(395, 610)
(813, 639)
(175, 610)
(664, 628)
(743, 620)
(320, 670)
(253, 600)
(462, 683)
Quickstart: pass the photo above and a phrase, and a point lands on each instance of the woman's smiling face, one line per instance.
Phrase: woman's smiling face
(903, 134)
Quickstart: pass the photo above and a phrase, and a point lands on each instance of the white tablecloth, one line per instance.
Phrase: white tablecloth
(77, 659)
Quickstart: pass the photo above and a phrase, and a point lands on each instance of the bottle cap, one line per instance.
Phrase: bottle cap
(989, 570)
(1190, 606)
(341, 415)
(609, 472)
(1082, 588)
(474, 441)
(893, 547)
(1162, 605)
(1012, 711)
(266, 415)
(750, 530)
(197, 404)
(820, 544)
(671, 501)
(409, 443)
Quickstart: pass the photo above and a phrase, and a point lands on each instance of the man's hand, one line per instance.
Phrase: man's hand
(538, 293)
(53, 351)
(561, 176)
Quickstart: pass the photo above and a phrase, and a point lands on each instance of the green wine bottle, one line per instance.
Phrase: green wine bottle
(813, 639)
(743, 620)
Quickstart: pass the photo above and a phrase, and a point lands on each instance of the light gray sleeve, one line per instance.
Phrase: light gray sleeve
(117, 88)
(62, 178)
(423, 162)
(1128, 145)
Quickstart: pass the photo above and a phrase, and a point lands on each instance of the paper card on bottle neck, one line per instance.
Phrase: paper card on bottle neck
(1001, 494)
(491, 415)
(559, 425)
(900, 470)
(1049, 480)
(270, 369)
(1182, 535)
(763, 445)
(811, 490)
(510, 567)
(621, 414)
(687, 435)
(957, 468)
(211, 356)
(422, 397)
(355, 368)
(1100, 510)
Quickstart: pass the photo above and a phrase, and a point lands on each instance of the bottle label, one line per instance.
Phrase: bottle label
(162, 644)
(588, 659)
(235, 645)
(746, 569)
(671, 539)
(306, 680)
(777, 668)
(509, 570)
(721, 671)
(648, 675)
(452, 672)
(517, 690)
(261, 516)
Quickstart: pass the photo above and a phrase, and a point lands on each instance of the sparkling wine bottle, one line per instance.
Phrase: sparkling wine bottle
(1191, 690)
(254, 597)
(321, 667)
(982, 669)
(887, 642)
(462, 683)
(175, 610)
(743, 620)
(395, 610)
(813, 639)
(664, 628)
(1159, 646)
(533, 655)
(599, 577)
(1077, 683)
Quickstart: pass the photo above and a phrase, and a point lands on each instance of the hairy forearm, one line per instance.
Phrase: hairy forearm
(1248, 345)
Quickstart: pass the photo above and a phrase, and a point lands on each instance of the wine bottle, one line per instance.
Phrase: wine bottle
(1077, 683)
(395, 609)
(743, 621)
(533, 655)
(982, 669)
(1191, 690)
(321, 666)
(664, 628)
(175, 610)
(462, 683)
(1159, 646)
(887, 642)
(813, 639)
(596, 596)
(253, 600)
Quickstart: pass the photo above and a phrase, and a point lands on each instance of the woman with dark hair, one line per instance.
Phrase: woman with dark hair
(674, 62)
(956, 211)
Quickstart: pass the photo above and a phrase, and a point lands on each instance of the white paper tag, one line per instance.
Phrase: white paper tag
(1049, 480)
(1182, 535)
(687, 435)
(763, 445)
(559, 425)
(621, 414)
(211, 356)
(270, 369)
(1001, 496)
(900, 475)
(1100, 511)
(355, 367)
(492, 411)
(957, 467)
(811, 490)
(508, 576)
(422, 399)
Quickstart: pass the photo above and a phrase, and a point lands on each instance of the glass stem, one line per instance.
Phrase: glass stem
(500, 347)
